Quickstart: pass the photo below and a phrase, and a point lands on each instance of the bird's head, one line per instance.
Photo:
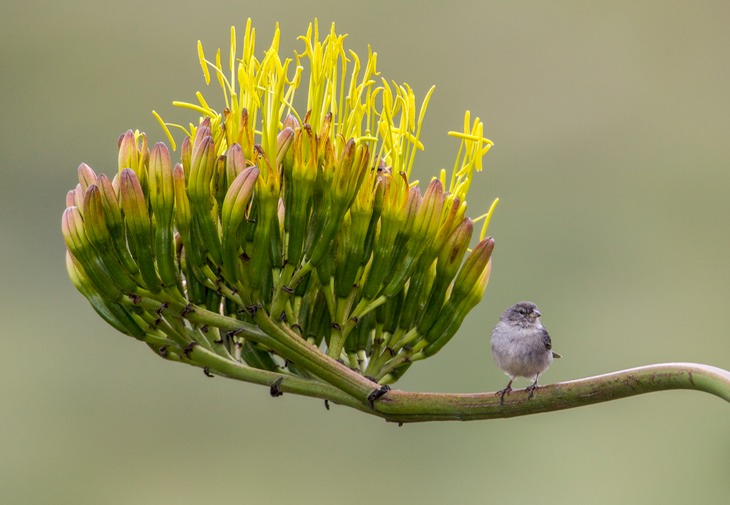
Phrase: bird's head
(524, 313)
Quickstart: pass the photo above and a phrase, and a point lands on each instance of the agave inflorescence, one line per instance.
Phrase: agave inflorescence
(280, 238)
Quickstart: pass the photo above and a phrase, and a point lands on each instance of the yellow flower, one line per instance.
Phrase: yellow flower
(308, 218)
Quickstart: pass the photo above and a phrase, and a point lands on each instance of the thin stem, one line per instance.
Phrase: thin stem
(282, 340)
(217, 365)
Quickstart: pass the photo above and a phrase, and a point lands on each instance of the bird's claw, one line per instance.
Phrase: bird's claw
(503, 392)
(531, 389)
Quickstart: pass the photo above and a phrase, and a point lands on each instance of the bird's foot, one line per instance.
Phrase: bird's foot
(531, 389)
(503, 392)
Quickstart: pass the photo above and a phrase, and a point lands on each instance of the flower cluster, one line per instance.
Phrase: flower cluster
(277, 228)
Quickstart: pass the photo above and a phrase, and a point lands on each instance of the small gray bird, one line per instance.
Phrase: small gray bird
(521, 346)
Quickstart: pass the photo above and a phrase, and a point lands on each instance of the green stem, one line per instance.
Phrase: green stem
(216, 365)
(403, 407)
(284, 341)
(316, 361)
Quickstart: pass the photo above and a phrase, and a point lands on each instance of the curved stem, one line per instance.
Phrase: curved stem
(285, 342)
(403, 407)
(284, 383)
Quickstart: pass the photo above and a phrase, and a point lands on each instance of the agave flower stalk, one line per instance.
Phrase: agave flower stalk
(282, 238)
(288, 247)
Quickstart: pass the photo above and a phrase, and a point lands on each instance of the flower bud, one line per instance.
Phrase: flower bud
(299, 188)
(233, 215)
(100, 239)
(134, 154)
(283, 142)
(467, 291)
(78, 197)
(77, 242)
(138, 225)
(115, 224)
(162, 200)
(235, 162)
(113, 313)
(186, 156)
(199, 188)
(86, 176)
(473, 268)
(392, 218)
(423, 221)
(290, 121)
(161, 186)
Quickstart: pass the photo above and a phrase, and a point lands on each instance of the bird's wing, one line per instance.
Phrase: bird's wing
(546, 339)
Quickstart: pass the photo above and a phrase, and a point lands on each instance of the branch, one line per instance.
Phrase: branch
(406, 407)
(403, 407)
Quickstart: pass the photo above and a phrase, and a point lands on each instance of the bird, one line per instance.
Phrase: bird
(521, 346)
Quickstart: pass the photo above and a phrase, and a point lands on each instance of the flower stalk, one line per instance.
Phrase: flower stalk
(285, 241)
(291, 247)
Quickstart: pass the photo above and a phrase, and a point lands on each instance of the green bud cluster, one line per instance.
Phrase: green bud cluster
(251, 250)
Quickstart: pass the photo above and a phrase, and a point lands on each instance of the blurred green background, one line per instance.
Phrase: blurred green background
(612, 162)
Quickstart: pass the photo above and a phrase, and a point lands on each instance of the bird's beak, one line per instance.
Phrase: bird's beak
(537, 313)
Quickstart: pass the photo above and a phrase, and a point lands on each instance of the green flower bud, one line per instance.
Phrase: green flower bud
(449, 213)
(219, 184)
(350, 174)
(423, 228)
(162, 201)
(134, 154)
(266, 239)
(186, 156)
(378, 190)
(429, 213)
(233, 215)
(100, 239)
(347, 257)
(415, 297)
(113, 313)
(183, 214)
(200, 191)
(447, 265)
(467, 292)
(353, 239)
(392, 218)
(321, 231)
(115, 224)
(139, 227)
(77, 242)
(474, 268)
(161, 186)
(299, 187)
(194, 254)
(127, 156)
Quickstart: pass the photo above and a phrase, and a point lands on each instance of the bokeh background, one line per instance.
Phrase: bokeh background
(612, 161)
